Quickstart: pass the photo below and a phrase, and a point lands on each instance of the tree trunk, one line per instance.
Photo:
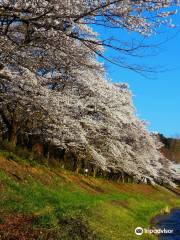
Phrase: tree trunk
(13, 132)
(77, 169)
(94, 171)
(123, 179)
(13, 138)
(38, 148)
(78, 166)
(119, 179)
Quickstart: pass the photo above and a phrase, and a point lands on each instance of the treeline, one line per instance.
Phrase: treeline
(171, 148)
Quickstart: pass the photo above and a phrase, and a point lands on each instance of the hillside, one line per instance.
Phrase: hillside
(42, 202)
(171, 148)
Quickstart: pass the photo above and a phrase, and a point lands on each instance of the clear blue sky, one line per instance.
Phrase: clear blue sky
(157, 99)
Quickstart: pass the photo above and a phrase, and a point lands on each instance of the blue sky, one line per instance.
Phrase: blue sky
(157, 99)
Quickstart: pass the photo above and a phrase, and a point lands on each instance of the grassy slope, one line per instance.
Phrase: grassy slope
(55, 203)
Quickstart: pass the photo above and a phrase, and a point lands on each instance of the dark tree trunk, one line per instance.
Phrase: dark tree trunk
(13, 138)
(13, 131)
(38, 148)
(78, 165)
(123, 178)
(94, 171)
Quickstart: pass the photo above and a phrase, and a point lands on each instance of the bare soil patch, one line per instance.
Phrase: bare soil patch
(17, 227)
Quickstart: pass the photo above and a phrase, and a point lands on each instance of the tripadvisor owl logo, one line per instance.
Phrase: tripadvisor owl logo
(139, 231)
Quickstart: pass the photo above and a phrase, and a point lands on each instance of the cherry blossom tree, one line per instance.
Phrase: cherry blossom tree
(58, 34)
(52, 85)
(20, 108)
(94, 123)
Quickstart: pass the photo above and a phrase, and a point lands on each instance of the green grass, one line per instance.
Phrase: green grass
(112, 213)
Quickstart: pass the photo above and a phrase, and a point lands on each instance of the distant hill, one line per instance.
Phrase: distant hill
(171, 148)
